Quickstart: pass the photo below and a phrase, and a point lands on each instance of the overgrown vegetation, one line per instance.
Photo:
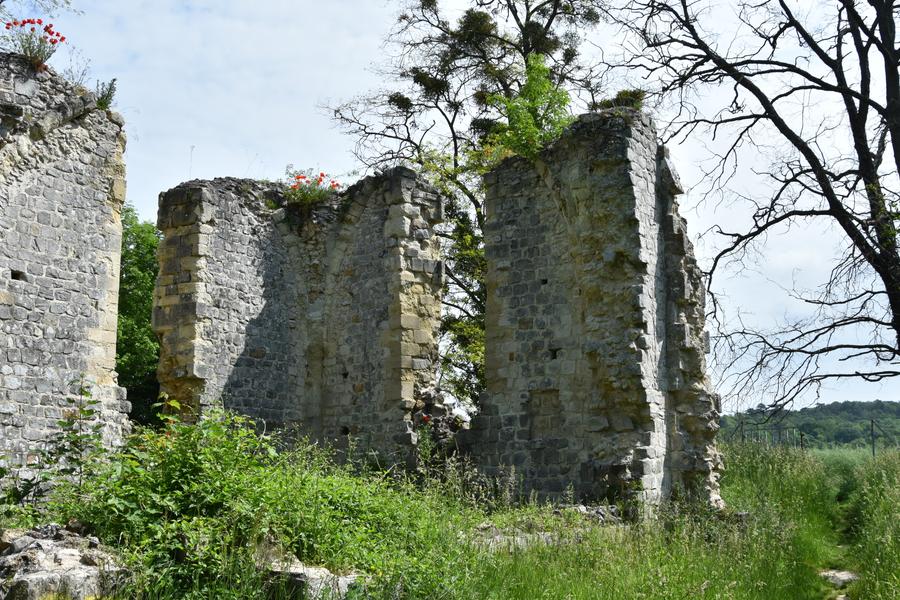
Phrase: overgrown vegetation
(34, 40)
(194, 506)
(535, 116)
(309, 187)
(137, 349)
(106, 93)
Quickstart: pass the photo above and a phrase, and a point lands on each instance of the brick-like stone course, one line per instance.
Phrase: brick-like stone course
(324, 316)
(595, 367)
(62, 186)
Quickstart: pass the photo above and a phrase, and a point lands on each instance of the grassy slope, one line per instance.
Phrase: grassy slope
(191, 505)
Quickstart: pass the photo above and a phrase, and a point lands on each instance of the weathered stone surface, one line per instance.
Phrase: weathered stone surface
(61, 192)
(839, 579)
(50, 561)
(595, 360)
(324, 316)
(300, 581)
(327, 316)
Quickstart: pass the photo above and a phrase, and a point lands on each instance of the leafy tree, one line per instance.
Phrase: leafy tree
(819, 87)
(137, 349)
(536, 115)
(468, 93)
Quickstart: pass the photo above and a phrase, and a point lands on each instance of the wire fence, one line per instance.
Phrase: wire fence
(793, 437)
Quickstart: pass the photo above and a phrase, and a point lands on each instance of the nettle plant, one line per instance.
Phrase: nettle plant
(310, 187)
(34, 40)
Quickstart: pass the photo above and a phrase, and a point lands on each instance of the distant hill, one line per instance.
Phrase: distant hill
(836, 424)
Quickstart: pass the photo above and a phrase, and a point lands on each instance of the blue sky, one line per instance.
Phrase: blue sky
(235, 88)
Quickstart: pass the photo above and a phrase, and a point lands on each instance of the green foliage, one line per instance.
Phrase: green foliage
(106, 93)
(137, 349)
(835, 424)
(536, 115)
(309, 187)
(874, 517)
(70, 457)
(189, 502)
(73, 451)
(193, 506)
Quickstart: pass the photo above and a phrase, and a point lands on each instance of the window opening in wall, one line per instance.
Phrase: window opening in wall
(17, 275)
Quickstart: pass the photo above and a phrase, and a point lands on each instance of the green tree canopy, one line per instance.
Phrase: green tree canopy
(137, 349)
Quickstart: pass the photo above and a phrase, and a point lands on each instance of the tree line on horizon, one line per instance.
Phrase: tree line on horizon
(846, 423)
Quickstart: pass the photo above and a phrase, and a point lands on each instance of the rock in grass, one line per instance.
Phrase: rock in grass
(301, 581)
(50, 561)
(839, 579)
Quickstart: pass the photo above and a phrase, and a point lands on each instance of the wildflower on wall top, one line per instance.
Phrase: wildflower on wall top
(34, 40)
(309, 187)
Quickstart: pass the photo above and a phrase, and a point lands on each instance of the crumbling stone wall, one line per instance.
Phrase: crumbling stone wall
(594, 353)
(62, 185)
(324, 316)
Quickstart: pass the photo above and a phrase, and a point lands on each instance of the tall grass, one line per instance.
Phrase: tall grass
(874, 519)
(193, 507)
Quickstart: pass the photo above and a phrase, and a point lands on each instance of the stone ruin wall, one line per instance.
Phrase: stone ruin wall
(595, 352)
(327, 316)
(62, 186)
(324, 317)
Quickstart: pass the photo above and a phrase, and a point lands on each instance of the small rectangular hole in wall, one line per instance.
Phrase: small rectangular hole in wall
(17, 275)
(545, 281)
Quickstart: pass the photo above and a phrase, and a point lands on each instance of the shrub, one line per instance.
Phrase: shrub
(308, 187)
(105, 93)
(536, 116)
(34, 40)
(624, 99)
(190, 503)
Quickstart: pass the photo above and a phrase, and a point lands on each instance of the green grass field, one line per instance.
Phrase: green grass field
(190, 506)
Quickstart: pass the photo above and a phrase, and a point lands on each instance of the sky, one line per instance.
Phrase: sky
(214, 88)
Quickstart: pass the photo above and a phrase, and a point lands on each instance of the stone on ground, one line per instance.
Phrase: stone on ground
(51, 561)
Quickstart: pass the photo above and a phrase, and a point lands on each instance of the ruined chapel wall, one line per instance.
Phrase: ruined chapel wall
(225, 301)
(322, 316)
(579, 319)
(382, 311)
(62, 187)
